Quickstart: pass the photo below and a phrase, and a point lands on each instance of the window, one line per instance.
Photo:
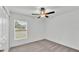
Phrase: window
(20, 30)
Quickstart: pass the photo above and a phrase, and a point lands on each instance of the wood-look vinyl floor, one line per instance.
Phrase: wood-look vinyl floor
(42, 46)
(1, 50)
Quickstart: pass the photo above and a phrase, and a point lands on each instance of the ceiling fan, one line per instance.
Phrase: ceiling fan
(43, 13)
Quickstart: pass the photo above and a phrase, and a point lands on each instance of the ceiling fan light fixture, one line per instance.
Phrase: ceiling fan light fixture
(43, 13)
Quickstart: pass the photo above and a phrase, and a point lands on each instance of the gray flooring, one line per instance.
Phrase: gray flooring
(42, 46)
(1, 50)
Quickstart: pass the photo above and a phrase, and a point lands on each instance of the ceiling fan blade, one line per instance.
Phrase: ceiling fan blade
(46, 16)
(35, 14)
(39, 17)
(51, 12)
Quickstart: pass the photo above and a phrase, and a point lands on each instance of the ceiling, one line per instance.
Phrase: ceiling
(28, 10)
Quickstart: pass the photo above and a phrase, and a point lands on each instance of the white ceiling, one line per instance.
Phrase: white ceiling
(28, 10)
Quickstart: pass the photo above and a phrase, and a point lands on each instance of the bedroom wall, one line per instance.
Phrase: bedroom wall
(4, 24)
(35, 29)
(64, 29)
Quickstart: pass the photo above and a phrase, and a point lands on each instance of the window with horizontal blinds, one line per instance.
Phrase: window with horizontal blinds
(20, 29)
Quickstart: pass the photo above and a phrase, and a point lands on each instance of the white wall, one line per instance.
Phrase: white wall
(35, 29)
(4, 24)
(64, 29)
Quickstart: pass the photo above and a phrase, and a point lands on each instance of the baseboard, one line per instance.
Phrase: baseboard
(25, 43)
(64, 45)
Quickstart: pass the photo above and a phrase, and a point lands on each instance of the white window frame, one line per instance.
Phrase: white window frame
(15, 32)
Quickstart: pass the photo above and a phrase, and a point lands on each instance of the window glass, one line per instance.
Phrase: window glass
(20, 30)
